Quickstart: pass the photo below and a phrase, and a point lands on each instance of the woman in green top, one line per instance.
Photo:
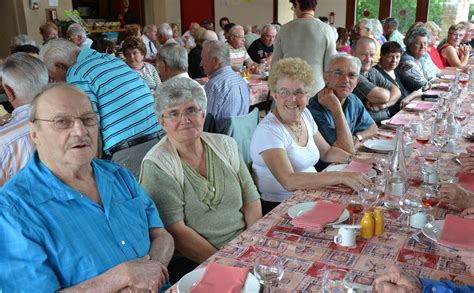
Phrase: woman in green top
(198, 180)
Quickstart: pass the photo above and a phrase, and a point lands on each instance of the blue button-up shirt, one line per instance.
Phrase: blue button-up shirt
(52, 236)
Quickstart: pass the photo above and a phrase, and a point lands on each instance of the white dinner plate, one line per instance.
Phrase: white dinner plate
(190, 280)
(340, 168)
(301, 208)
(387, 124)
(380, 145)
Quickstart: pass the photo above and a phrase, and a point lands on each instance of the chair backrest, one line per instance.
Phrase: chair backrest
(241, 129)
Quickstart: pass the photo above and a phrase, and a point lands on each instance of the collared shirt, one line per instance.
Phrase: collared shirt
(227, 95)
(398, 37)
(357, 117)
(444, 286)
(54, 237)
(120, 96)
(16, 147)
(238, 56)
(87, 43)
(150, 47)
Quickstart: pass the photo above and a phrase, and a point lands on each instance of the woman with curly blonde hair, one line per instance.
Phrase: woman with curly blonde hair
(287, 144)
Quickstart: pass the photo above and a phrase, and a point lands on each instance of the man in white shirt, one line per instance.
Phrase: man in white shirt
(77, 35)
(149, 38)
(165, 34)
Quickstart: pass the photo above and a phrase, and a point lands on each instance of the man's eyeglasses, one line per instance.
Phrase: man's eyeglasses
(286, 93)
(65, 122)
(176, 116)
(339, 73)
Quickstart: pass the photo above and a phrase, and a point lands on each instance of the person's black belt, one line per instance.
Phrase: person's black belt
(137, 140)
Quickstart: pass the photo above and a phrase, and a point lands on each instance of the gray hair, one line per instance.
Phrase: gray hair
(76, 29)
(165, 30)
(148, 27)
(175, 56)
(377, 29)
(391, 21)
(177, 91)
(268, 27)
(21, 40)
(367, 23)
(25, 74)
(219, 50)
(34, 103)
(58, 50)
(417, 31)
(355, 61)
(234, 28)
(362, 40)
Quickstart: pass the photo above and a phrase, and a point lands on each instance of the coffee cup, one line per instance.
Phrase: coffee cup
(419, 220)
(346, 235)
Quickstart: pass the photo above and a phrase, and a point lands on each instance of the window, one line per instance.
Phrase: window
(405, 12)
(367, 9)
(447, 12)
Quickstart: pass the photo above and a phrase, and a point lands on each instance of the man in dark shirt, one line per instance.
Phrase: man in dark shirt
(194, 57)
(262, 48)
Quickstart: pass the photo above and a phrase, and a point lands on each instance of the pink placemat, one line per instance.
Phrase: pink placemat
(458, 231)
(219, 278)
(399, 120)
(358, 167)
(466, 181)
(321, 214)
(448, 76)
(423, 105)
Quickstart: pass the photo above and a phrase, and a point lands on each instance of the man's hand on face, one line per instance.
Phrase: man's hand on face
(328, 99)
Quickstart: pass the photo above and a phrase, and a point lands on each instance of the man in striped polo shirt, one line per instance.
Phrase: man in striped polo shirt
(227, 92)
(238, 54)
(118, 94)
(23, 76)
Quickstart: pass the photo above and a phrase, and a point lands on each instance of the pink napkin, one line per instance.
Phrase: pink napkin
(433, 92)
(466, 181)
(321, 214)
(221, 279)
(449, 76)
(399, 120)
(422, 105)
(458, 232)
(358, 167)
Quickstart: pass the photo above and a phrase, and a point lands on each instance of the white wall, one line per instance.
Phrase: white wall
(285, 14)
(244, 11)
(337, 6)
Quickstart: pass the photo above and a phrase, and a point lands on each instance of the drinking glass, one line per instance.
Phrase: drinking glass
(356, 206)
(333, 281)
(430, 196)
(409, 204)
(370, 195)
(439, 136)
(269, 271)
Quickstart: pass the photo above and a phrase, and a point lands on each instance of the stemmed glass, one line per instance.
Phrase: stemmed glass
(356, 206)
(269, 271)
(370, 195)
(439, 137)
(333, 281)
(409, 204)
(430, 196)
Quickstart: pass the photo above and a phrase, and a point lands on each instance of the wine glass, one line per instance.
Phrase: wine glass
(409, 204)
(356, 206)
(430, 196)
(370, 195)
(269, 271)
(439, 137)
(333, 281)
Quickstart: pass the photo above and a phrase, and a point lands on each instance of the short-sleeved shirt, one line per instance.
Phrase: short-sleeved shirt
(259, 51)
(272, 134)
(150, 75)
(118, 94)
(370, 81)
(357, 117)
(238, 56)
(54, 237)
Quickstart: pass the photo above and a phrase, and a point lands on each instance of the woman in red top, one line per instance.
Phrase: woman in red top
(432, 51)
(452, 53)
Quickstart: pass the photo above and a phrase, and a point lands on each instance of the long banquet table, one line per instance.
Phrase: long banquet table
(306, 255)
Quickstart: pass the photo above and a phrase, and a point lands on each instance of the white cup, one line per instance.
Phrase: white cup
(346, 236)
(419, 220)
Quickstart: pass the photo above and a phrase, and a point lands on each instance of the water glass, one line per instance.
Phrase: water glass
(269, 271)
(333, 281)
(409, 204)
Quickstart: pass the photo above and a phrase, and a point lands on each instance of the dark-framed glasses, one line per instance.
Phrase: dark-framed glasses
(191, 112)
(66, 121)
(286, 93)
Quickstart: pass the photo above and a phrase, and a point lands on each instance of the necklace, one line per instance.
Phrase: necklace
(297, 129)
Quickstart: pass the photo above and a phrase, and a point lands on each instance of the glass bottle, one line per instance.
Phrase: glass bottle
(379, 222)
(367, 226)
(397, 175)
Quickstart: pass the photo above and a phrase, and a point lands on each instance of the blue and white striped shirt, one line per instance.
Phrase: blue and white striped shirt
(228, 95)
(117, 93)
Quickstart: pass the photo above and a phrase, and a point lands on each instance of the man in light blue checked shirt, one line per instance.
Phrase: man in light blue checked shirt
(71, 221)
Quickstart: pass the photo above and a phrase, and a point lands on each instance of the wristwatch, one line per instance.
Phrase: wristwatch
(359, 137)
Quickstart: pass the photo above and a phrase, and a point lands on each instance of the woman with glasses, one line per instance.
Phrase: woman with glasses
(287, 144)
(198, 180)
(417, 70)
(453, 53)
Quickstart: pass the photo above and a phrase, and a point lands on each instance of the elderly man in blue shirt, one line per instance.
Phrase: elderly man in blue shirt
(71, 221)
(340, 115)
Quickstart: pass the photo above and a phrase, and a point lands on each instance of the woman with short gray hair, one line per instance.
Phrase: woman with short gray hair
(417, 70)
(198, 180)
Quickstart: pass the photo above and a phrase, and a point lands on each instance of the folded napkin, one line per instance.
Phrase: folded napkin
(399, 120)
(449, 76)
(321, 214)
(458, 232)
(221, 279)
(423, 105)
(358, 167)
(434, 92)
(466, 181)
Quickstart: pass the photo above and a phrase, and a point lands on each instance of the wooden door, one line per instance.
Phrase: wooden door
(196, 11)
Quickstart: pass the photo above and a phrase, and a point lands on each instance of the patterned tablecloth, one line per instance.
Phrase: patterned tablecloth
(258, 89)
(307, 254)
